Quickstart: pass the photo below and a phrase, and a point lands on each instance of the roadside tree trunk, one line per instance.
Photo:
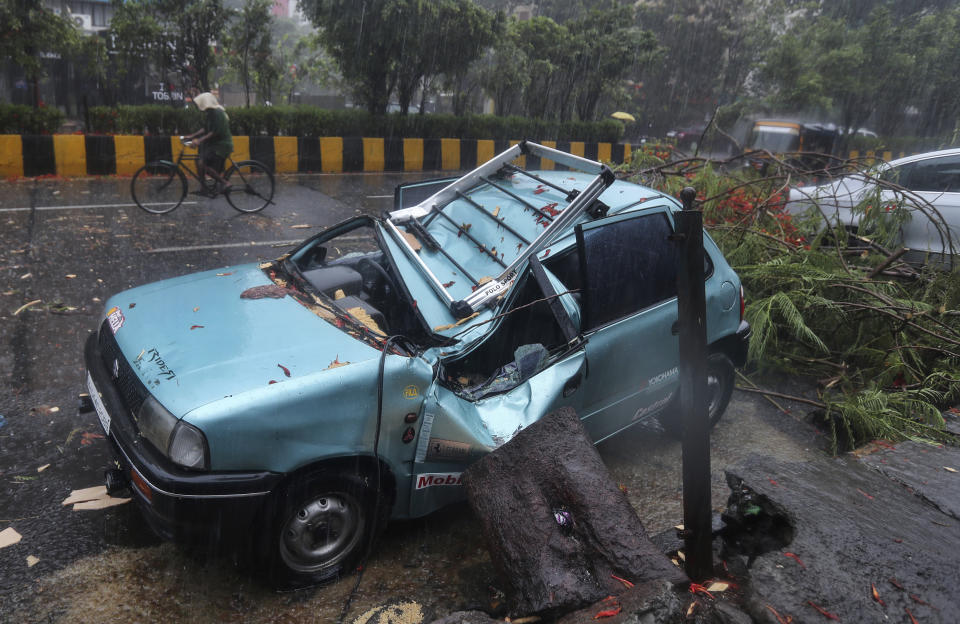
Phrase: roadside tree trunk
(557, 526)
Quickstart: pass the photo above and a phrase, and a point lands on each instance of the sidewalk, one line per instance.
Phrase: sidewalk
(865, 540)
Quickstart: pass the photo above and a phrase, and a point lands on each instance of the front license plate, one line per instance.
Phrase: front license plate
(98, 404)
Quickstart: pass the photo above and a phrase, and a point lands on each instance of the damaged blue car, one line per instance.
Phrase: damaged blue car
(304, 402)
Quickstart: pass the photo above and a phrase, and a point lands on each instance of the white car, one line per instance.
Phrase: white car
(931, 191)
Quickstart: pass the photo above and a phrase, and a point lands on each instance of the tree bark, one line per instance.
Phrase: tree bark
(557, 526)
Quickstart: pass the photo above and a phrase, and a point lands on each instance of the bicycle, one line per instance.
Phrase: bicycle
(160, 186)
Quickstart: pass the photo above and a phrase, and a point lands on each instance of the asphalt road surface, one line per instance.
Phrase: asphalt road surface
(65, 246)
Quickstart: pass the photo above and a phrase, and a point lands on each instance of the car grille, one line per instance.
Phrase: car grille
(131, 389)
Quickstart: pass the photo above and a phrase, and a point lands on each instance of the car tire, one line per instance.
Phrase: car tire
(320, 529)
(720, 380)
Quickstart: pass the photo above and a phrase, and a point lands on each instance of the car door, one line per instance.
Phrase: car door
(935, 181)
(629, 310)
(542, 369)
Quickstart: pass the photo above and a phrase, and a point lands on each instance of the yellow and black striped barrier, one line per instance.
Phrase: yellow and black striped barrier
(71, 155)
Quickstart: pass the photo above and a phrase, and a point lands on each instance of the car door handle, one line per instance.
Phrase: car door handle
(571, 386)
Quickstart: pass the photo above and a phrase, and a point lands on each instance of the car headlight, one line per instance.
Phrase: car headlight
(188, 447)
(181, 442)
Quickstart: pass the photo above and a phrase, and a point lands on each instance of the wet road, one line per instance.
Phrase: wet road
(65, 246)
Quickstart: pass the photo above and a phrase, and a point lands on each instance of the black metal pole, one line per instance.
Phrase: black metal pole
(691, 313)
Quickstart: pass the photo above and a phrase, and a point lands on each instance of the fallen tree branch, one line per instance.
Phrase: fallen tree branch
(890, 260)
(782, 396)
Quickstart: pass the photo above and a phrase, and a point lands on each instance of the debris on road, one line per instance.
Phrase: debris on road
(9, 537)
(393, 613)
(27, 305)
(32, 561)
(92, 498)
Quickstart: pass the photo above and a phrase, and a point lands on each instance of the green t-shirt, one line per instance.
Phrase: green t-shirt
(221, 143)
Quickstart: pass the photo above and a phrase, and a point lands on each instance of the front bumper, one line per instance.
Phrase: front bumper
(178, 504)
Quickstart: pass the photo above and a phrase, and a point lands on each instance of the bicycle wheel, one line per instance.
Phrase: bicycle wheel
(252, 186)
(158, 187)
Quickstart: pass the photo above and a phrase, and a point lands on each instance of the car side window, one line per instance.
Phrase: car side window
(627, 264)
(937, 175)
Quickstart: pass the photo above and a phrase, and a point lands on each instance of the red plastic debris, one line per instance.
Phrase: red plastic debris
(864, 493)
(192, 327)
(780, 618)
(625, 582)
(895, 583)
(612, 611)
(699, 589)
(286, 371)
(88, 438)
(913, 620)
(795, 558)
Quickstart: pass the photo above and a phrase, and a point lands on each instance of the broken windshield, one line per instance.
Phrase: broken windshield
(346, 276)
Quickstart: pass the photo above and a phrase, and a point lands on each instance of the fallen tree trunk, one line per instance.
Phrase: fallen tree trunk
(558, 528)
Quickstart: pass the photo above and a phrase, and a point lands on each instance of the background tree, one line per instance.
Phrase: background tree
(249, 45)
(362, 41)
(174, 37)
(503, 74)
(194, 27)
(609, 49)
(542, 42)
(848, 71)
(301, 59)
(466, 30)
(710, 48)
(379, 43)
(29, 31)
(137, 41)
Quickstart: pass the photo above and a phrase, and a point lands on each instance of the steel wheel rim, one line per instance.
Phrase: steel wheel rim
(321, 532)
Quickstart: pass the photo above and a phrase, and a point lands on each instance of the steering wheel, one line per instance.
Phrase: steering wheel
(378, 288)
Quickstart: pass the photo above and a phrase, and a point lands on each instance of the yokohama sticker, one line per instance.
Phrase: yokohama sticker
(115, 316)
(431, 479)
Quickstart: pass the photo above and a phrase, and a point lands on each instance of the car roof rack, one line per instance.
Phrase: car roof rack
(417, 217)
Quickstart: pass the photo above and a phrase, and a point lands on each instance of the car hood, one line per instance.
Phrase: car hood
(194, 339)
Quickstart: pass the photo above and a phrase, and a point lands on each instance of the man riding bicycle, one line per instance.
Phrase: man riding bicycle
(214, 140)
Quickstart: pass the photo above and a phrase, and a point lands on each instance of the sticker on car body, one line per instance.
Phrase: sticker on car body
(652, 409)
(665, 375)
(431, 479)
(116, 319)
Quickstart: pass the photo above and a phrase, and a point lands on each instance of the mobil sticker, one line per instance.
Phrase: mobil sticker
(431, 479)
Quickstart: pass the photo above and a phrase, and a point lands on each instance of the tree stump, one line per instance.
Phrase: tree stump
(557, 526)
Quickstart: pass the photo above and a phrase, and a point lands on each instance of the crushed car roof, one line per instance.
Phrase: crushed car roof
(468, 241)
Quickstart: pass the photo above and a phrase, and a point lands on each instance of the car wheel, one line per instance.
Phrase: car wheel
(720, 379)
(320, 529)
